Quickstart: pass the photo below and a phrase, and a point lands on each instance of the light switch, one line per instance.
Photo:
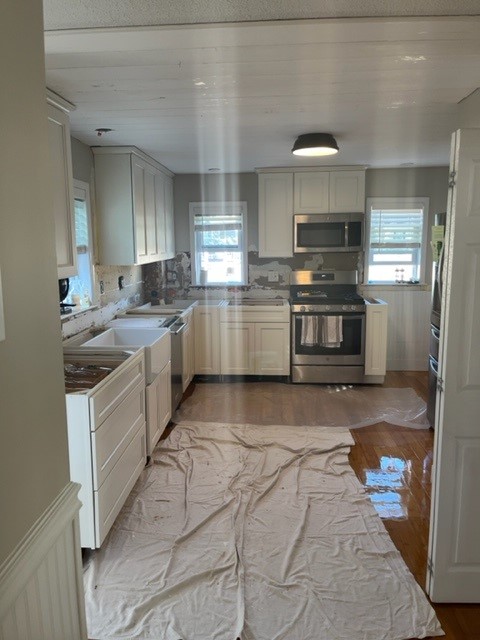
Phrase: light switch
(2, 319)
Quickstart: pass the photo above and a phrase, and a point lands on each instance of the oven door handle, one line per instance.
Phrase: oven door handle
(348, 316)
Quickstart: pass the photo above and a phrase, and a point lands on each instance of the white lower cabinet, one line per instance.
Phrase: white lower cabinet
(376, 338)
(237, 346)
(255, 348)
(106, 441)
(207, 340)
(159, 406)
(272, 349)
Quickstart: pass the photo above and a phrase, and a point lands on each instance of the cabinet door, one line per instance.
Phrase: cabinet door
(237, 345)
(160, 214)
(169, 218)
(63, 207)
(347, 191)
(159, 406)
(272, 349)
(311, 191)
(188, 355)
(376, 340)
(140, 223)
(151, 232)
(207, 341)
(275, 215)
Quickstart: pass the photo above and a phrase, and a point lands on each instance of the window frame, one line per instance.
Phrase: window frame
(399, 203)
(81, 191)
(212, 208)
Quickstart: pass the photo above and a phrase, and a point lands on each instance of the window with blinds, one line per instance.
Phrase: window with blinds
(218, 243)
(396, 240)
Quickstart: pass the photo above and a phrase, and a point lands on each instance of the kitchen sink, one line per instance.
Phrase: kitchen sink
(155, 341)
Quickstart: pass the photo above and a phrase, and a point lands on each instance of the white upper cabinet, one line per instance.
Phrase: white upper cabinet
(311, 189)
(347, 191)
(132, 200)
(62, 180)
(275, 215)
(285, 192)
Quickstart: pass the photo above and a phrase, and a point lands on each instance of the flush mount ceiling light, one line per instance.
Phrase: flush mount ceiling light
(315, 144)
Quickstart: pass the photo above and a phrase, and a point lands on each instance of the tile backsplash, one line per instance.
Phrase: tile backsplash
(172, 279)
(109, 298)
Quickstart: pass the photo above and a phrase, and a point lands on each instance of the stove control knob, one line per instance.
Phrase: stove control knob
(344, 307)
(327, 307)
(302, 308)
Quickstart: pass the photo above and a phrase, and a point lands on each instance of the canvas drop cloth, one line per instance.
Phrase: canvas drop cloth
(252, 532)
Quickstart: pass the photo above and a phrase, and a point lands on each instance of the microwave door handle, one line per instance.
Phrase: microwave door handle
(346, 234)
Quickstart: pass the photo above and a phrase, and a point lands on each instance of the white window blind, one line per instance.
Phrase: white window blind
(397, 231)
(218, 243)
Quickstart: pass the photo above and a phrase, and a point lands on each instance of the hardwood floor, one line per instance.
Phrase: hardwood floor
(393, 463)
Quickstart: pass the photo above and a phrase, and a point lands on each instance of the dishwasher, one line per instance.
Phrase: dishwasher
(177, 330)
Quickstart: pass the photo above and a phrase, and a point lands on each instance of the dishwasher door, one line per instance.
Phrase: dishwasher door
(177, 331)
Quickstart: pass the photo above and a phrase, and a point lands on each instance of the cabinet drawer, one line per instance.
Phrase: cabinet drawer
(111, 439)
(116, 388)
(111, 496)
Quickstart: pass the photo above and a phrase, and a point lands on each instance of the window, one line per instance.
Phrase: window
(396, 231)
(218, 242)
(81, 285)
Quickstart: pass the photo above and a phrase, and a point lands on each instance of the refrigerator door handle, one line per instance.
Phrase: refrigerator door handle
(440, 270)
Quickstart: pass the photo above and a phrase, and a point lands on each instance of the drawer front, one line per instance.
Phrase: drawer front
(111, 496)
(111, 439)
(118, 386)
(232, 314)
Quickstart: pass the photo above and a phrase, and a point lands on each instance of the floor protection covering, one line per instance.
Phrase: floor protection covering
(297, 404)
(252, 532)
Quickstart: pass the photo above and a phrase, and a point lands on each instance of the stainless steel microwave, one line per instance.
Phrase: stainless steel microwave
(328, 232)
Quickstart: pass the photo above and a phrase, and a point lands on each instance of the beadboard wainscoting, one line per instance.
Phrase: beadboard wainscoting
(408, 325)
(41, 589)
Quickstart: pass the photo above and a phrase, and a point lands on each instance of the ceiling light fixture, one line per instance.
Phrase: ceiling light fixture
(315, 144)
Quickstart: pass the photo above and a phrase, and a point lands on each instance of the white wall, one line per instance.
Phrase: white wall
(33, 453)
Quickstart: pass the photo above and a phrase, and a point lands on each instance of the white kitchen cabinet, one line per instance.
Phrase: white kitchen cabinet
(237, 348)
(169, 217)
(272, 349)
(311, 191)
(255, 339)
(106, 439)
(188, 350)
(207, 340)
(376, 338)
(131, 204)
(159, 406)
(62, 180)
(347, 191)
(275, 215)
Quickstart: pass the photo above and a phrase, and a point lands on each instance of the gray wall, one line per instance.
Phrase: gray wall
(33, 455)
(82, 162)
(213, 187)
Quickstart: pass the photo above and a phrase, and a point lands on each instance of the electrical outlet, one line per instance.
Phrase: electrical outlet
(273, 276)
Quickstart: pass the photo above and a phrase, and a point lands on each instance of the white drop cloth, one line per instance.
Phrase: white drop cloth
(256, 532)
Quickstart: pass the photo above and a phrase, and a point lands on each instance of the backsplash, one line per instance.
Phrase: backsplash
(172, 279)
(110, 300)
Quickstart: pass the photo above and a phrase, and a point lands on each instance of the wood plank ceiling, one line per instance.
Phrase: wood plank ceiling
(236, 96)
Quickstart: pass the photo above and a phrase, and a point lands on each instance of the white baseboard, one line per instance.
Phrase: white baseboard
(41, 589)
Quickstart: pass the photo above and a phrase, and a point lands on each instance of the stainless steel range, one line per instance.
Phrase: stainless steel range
(328, 327)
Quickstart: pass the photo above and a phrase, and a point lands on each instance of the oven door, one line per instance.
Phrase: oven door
(351, 350)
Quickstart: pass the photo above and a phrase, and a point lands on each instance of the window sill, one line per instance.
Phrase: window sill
(78, 312)
(394, 287)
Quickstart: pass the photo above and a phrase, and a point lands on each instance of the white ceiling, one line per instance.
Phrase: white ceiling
(236, 96)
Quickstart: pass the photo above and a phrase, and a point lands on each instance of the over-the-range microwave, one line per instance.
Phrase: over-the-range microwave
(328, 232)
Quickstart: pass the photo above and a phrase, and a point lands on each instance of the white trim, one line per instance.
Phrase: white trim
(212, 208)
(357, 167)
(419, 202)
(104, 151)
(81, 191)
(24, 571)
(60, 103)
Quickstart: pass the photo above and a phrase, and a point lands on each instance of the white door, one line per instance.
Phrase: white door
(454, 545)
(272, 348)
(347, 191)
(237, 344)
(275, 215)
(138, 177)
(311, 191)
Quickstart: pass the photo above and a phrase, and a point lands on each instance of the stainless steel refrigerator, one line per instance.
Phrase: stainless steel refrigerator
(435, 323)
